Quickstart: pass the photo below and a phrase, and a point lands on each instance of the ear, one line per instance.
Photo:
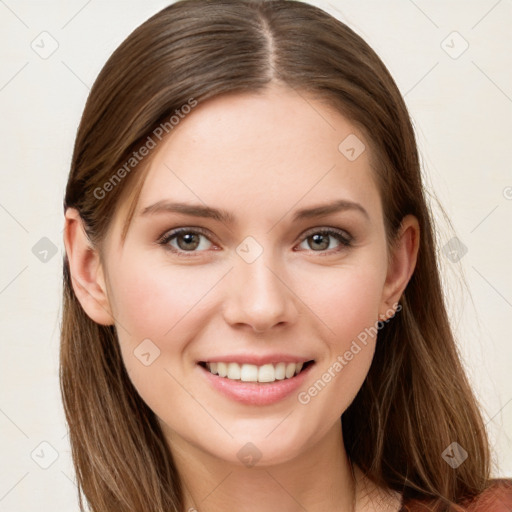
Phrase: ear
(402, 262)
(86, 270)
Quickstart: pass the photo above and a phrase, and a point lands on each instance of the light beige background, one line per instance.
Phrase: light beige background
(461, 105)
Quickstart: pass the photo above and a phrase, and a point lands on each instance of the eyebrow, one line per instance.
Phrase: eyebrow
(224, 216)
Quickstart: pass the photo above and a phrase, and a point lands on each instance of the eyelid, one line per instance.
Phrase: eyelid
(171, 233)
(346, 239)
(327, 229)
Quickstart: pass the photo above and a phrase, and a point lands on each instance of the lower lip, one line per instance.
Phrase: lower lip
(256, 393)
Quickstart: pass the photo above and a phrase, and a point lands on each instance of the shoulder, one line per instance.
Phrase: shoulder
(497, 497)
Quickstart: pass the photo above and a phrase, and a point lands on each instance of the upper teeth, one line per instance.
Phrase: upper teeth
(253, 373)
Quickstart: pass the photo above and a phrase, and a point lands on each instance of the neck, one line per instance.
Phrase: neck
(319, 479)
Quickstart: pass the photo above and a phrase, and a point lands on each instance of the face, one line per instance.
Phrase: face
(264, 280)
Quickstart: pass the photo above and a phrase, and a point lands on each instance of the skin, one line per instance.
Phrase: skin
(261, 157)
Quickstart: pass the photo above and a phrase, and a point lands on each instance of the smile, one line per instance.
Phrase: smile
(253, 373)
(273, 387)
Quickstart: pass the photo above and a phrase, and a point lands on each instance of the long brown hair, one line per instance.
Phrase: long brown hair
(416, 399)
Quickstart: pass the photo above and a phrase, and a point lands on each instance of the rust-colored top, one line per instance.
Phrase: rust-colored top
(496, 498)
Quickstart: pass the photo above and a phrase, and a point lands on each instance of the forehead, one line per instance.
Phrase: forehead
(258, 155)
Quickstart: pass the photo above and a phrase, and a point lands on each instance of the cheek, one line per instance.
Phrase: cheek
(349, 306)
(347, 301)
(153, 307)
(162, 304)
(150, 302)
(170, 304)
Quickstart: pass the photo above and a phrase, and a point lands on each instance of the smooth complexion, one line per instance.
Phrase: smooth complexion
(262, 158)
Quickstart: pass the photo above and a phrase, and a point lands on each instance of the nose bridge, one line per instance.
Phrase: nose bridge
(257, 294)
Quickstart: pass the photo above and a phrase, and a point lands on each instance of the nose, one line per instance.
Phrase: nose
(259, 296)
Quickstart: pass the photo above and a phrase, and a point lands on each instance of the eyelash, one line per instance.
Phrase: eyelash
(345, 239)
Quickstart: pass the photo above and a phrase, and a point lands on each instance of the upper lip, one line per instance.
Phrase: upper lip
(257, 360)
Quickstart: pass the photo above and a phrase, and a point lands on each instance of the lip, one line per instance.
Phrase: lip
(256, 393)
(258, 360)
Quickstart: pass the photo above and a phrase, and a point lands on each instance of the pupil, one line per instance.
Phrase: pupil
(318, 240)
(189, 239)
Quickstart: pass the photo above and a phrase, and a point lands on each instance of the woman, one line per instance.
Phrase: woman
(253, 316)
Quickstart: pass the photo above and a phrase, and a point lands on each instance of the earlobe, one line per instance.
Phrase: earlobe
(87, 275)
(402, 263)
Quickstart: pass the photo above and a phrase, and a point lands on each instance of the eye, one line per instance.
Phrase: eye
(318, 241)
(186, 240)
(189, 240)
